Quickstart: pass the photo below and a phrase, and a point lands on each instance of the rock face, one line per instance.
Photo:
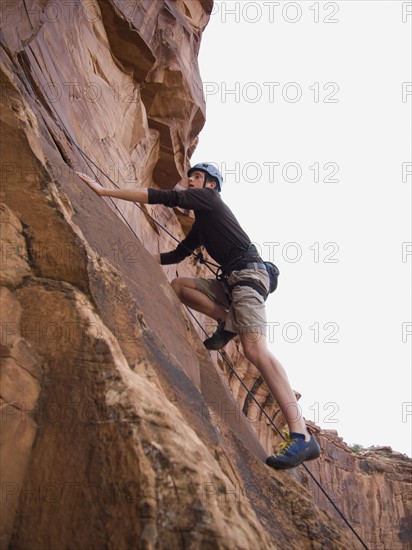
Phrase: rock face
(371, 488)
(118, 430)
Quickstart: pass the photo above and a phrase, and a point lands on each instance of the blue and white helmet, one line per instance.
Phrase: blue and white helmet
(209, 169)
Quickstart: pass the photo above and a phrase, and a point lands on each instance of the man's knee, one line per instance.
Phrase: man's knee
(251, 354)
(253, 346)
(179, 283)
(176, 285)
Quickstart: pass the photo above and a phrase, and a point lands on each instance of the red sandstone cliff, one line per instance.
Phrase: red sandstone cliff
(117, 428)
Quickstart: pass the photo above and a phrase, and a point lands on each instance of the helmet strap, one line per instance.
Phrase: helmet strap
(216, 188)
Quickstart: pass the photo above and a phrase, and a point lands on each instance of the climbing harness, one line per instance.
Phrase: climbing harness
(208, 264)
(273, 273)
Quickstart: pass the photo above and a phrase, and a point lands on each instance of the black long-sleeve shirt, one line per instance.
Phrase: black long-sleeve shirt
(215, 226)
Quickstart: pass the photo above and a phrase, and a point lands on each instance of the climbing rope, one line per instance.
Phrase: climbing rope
(201, 259)
(198, 255)
(229, 364)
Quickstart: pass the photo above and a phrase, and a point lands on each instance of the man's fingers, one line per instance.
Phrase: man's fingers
(86, 178)
(96, 187)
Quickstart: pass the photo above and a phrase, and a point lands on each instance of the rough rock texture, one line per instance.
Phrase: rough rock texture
(371, 488)
(118, 430)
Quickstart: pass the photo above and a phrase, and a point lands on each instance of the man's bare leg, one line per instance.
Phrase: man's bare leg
(188, 294)
(256, 351)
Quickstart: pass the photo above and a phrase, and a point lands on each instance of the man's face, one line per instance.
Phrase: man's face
(197, 179)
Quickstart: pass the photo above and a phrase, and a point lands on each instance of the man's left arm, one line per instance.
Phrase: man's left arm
(184, 249)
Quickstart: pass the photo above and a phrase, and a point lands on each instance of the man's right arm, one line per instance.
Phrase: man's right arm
(191, 199)
(134, 195)
(184, 249)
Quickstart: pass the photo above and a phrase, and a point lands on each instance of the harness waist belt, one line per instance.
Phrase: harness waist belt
(254, 264)
(252, 284)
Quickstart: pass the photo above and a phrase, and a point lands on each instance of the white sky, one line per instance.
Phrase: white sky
(304, 94)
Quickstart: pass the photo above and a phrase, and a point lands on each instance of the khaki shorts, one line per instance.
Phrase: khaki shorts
(246, 312)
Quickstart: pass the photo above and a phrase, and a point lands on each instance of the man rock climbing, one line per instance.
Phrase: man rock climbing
(239, 309)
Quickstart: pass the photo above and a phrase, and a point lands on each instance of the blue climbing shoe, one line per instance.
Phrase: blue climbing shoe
(293, 451)
(219, 338)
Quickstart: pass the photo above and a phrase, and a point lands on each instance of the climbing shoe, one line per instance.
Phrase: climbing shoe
(293, 451)
(219, 338)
